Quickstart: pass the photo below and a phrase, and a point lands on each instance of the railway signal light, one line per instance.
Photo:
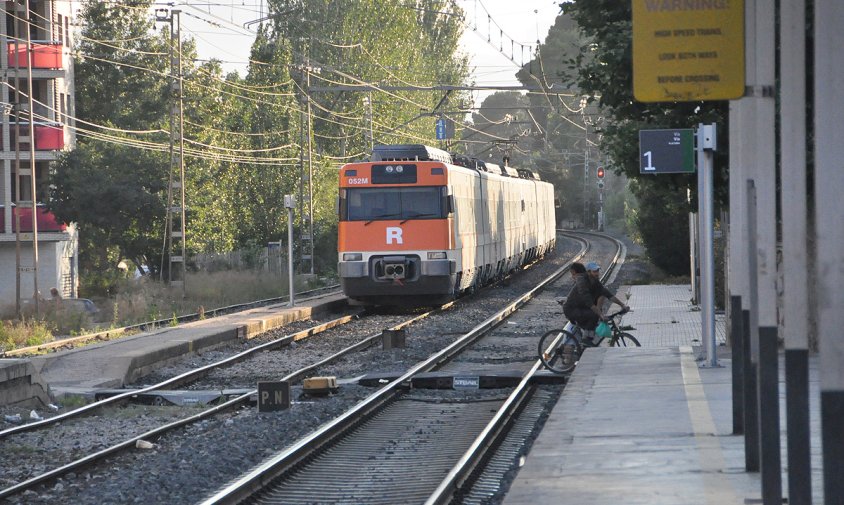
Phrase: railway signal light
(600, 172)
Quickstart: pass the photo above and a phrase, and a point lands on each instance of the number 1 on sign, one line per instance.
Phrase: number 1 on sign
(648, 155)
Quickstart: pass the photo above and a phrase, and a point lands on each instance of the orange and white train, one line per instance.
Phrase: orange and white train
(419, 227)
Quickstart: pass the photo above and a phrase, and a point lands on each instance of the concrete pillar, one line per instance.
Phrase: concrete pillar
(829, 205)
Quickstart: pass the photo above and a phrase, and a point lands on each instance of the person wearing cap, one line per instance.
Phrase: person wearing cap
(580, 307)
(600, 294)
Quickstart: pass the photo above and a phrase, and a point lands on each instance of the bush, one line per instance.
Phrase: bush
(14, 334)
(662, 221)
(100, 284)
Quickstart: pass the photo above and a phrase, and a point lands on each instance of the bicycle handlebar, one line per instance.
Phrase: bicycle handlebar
(619, 313)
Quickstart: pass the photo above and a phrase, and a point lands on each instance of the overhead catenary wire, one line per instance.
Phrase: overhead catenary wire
(247, 89)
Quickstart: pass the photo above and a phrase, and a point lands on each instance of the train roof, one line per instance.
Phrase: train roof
(421, 152)
(409, 152)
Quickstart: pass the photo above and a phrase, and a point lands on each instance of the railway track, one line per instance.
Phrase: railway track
(196, 420)
(394, 447)
(184, 379)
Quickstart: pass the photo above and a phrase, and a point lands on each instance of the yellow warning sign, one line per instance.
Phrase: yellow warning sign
(688, 50)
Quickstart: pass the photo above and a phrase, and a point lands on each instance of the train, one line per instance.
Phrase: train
(419, 226)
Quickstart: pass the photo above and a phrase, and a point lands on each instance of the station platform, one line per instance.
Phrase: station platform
(114, 363)
(650, 425)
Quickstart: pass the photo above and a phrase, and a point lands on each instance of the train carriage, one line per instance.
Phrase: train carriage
(417, 228)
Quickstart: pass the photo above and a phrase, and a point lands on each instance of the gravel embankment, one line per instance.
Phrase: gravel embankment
(220, 449)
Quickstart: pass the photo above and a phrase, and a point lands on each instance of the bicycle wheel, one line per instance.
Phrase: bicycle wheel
(563, 357)
(625, 340)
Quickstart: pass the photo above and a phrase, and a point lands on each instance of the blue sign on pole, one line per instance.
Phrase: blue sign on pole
(441, 129)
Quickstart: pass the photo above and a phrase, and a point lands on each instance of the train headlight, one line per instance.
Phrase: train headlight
(352, 256)
(439, 255)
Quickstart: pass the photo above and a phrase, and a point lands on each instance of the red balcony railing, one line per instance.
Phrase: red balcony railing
(46, 220)
(44, 54)
(48, 137)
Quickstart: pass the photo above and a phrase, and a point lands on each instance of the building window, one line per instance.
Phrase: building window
(60, 27)
(70, 119)
(63, 117)
(66, 32)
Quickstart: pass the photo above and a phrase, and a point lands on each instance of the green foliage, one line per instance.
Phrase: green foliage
(119, 78)
(603, 70)
(14, 334)
(117, 195)
(361, 41)
(114, 190)
(615, 209)
(663, 225)
(246, 138)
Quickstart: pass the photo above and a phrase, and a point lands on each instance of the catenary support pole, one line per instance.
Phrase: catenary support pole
(290, 247)
(33, 172)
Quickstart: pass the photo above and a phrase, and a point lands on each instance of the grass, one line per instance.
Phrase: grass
(145, 300)
(73, 402)
(149, 300)
(14, 334)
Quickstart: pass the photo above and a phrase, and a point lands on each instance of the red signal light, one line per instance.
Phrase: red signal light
(600, 172)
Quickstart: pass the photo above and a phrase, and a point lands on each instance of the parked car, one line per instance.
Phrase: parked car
(80, 305)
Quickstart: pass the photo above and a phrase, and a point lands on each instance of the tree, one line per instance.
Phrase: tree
(114, 194)
(114, 191)
(564, 149)
(120, 73)
(244, 137)
(329, 43)
(603, 69)
(355, 42)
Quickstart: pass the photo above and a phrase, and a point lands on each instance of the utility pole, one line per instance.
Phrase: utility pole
(32, 171)
(368, 103)
(309, 216)
(21, 173)
(175, 233)
(306, 187)
(586, 175)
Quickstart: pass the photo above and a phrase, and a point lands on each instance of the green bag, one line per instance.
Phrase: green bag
(603, 330)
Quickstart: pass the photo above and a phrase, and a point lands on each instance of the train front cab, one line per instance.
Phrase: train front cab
(394, 233)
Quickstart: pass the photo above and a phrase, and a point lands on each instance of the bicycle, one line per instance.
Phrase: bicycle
(560, 349)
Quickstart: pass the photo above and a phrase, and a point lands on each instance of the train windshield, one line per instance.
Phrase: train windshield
(376, 204)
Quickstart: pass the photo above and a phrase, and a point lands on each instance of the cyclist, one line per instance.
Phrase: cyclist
(600, 294)
(580, 307)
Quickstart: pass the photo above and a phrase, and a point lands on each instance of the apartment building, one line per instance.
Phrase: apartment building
(47, 58)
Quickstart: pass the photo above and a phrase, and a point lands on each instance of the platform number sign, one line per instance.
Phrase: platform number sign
(666, 151)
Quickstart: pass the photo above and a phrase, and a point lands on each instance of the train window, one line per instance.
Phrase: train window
(351, 173)
(437, 171)
(374, 204)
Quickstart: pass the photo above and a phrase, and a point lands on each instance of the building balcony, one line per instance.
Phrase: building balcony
(44, 55)
(47, 221)
(48, 136)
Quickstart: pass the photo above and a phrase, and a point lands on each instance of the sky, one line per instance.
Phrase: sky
(218, 27)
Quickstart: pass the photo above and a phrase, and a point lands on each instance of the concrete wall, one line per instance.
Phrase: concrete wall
(57, 267)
